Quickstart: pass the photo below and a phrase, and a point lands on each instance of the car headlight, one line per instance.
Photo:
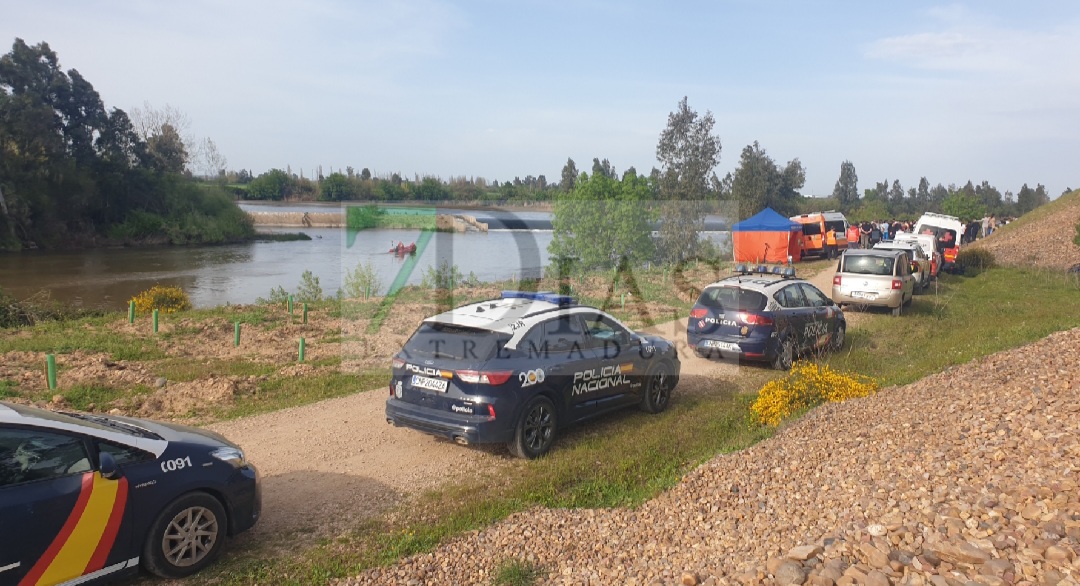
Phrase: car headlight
(234, 456)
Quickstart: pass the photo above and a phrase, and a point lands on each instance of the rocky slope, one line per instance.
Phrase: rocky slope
(1042, 238)
(967, 477)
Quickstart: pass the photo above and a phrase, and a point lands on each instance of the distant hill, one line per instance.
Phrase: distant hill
(1044, 237)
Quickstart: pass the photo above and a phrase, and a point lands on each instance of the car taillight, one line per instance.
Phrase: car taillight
(397, 363)
(897, 284)
(489, 377)
(391, 389)
(755, 320)
(699, 312)
(491, 411)
(836, 280)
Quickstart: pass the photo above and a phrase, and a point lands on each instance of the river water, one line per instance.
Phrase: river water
(242, 273)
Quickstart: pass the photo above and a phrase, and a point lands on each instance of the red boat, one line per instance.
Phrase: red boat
(403, 249)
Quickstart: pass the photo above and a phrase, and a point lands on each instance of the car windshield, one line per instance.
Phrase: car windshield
(865, 264)
(447, 341)
(732, 298)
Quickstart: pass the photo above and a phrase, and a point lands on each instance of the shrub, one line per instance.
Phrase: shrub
(807, 385)
(362, 281)
(975, 258)
(166, 299)
(446, 276)
(309, 291)
(277, 295)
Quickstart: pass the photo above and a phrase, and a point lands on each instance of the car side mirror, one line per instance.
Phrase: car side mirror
(108, 466)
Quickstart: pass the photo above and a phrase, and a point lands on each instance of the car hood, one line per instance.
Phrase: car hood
(174, 432)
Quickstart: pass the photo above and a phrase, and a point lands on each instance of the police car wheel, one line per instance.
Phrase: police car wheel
(535, 431)
(658, 388)
(186, 536)
(838, 338)
(785, 355)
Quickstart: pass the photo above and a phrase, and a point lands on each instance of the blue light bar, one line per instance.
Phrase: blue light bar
(740, 268)
(762, 269)
(548, 296)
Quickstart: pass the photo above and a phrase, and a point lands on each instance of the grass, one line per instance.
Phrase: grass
(88, 335)
(517, 573)
(278, 393)
(7, 389)
(87, 397)
(185, 369)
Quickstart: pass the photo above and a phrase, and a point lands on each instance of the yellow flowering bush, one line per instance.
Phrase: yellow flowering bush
(807, 385)
(165, 299)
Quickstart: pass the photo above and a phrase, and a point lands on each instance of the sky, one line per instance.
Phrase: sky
(983, 90)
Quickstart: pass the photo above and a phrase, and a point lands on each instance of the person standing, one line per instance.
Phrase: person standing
(853, 236)
(830, 243)
(864, 235)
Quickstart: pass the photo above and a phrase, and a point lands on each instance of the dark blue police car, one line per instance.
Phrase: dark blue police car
(87, 498)
(764, 314)
(516, 369)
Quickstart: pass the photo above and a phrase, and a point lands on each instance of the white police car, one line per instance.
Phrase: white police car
(87, 498)
(764, 314)
(516, 369)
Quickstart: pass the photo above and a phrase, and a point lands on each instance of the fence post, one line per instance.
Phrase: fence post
(131, 311)
(301, 349)
(290, 304)
(236, 333)
(155, 321)
(305, 312)
(50, 370)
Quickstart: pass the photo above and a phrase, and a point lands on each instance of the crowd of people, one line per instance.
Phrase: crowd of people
(867, 234)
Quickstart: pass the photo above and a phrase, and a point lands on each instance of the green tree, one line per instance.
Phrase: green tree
(166, 150)
(922, 196)
(270, 185)
(569, 176)
(846, 190)
(759, 183)
(603, 222)
(688, 152)
(897, 205)
(1028, 199)
(335, 187)
(964, 205)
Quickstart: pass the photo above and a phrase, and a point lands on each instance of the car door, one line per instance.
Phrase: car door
(615, 360)
(795, 313)
(68, 516)
(822, 322)
(568, 362)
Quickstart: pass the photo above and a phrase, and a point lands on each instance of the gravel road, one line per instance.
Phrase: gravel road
(967, 477)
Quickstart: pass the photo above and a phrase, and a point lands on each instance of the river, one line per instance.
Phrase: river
(242, 273)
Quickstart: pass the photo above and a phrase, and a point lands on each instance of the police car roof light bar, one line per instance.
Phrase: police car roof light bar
(789, 272)
(764, 270)
(740, 268)
(548, 296)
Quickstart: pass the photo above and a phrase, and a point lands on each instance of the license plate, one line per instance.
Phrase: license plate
(864, 295)
(431, 384)
(725, 346)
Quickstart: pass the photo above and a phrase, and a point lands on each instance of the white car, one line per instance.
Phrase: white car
(921, 265)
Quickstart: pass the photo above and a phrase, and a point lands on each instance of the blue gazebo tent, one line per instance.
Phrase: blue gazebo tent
(766, 237)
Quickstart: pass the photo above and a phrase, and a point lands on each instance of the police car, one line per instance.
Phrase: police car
(86, 498)
(764, 314)
(518, 369)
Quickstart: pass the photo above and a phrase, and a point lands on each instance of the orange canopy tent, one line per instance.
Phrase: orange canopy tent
(766, 237)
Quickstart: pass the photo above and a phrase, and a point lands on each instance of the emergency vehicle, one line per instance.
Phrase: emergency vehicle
(815, 228)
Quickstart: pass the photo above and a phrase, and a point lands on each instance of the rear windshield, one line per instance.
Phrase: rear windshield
(865, 264)
(937, 232)
(445, 341)
(836, 225)
(811, 229)
(732, 298)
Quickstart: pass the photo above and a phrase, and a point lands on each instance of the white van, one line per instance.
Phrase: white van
(946, 231)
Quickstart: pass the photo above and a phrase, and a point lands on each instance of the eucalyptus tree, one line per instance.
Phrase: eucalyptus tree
(846, 190)
(688, 152)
